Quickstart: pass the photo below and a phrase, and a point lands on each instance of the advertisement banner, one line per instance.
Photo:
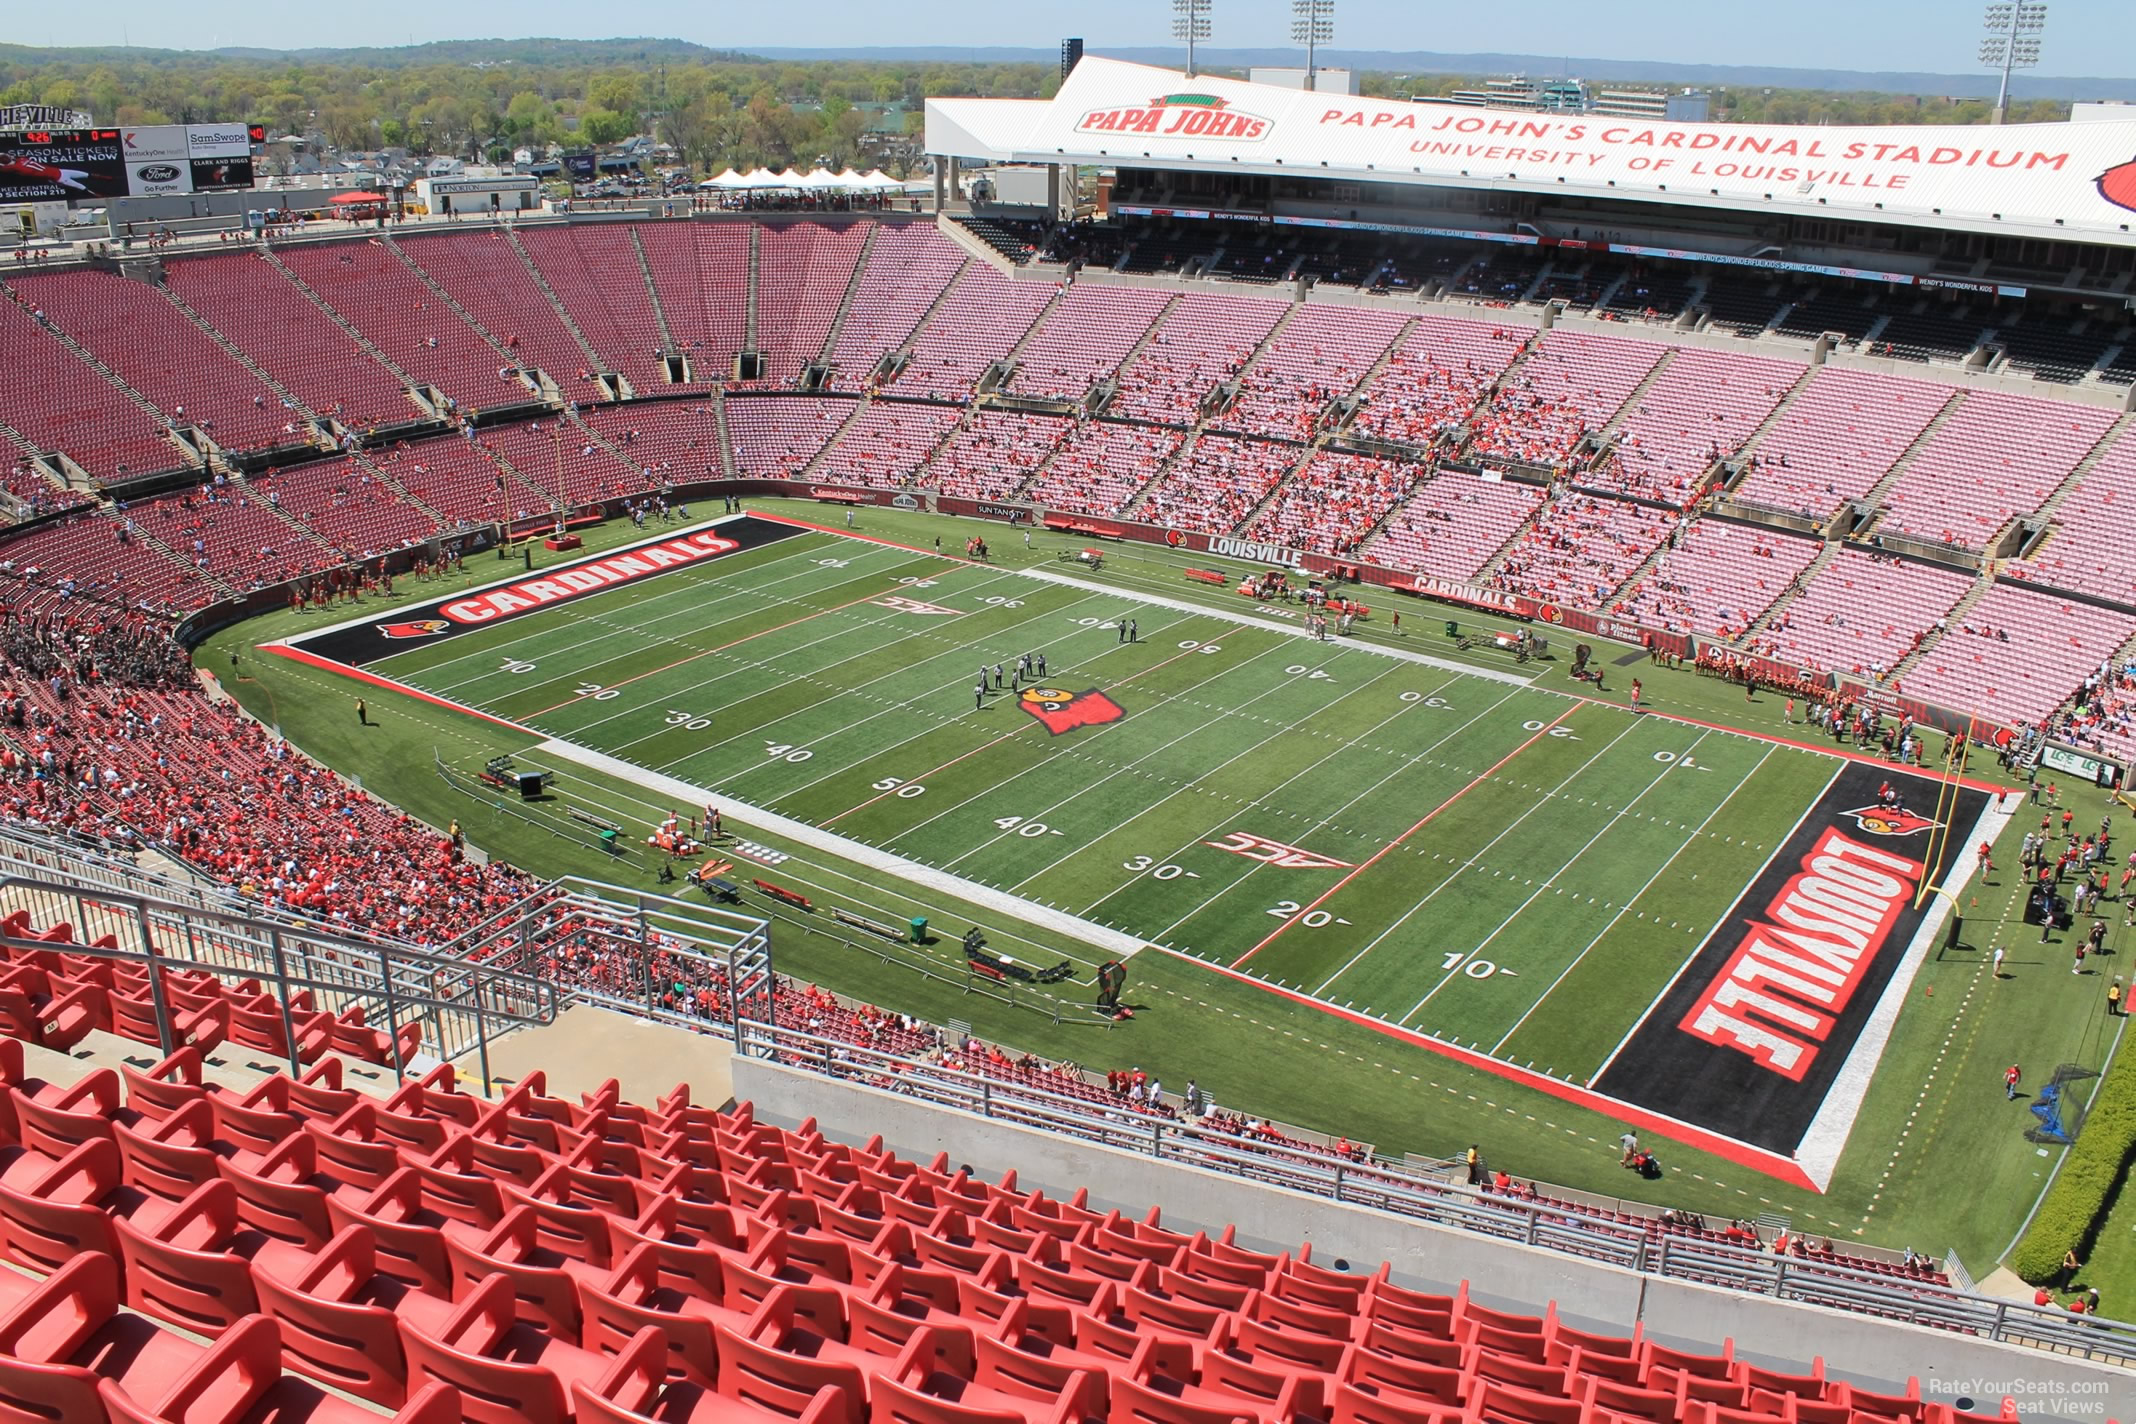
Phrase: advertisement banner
(219, 156)
(42, 116)
(61, 165)
(211, 173)
(156, 160)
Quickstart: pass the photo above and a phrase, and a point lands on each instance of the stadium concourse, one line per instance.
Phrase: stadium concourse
(216, 433)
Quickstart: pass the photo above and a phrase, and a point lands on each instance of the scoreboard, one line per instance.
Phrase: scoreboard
(93, 165)
(61, 165)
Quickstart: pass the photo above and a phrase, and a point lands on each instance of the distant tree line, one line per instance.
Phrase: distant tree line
(718, 109)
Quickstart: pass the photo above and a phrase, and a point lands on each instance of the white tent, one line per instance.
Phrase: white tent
(876, 178)
(791, 179)
(761, 178)
(823, 180)
(853, 181)
(728, 179)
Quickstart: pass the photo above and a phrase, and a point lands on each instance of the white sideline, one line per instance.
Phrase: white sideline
(1181, 605)
(686, 795)
(1818, 1154)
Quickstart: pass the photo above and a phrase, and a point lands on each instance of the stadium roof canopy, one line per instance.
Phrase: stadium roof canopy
(2074, 182)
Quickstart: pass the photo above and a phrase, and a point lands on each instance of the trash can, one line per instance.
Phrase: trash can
(1453, 629)
(608, 838)
(919, 929)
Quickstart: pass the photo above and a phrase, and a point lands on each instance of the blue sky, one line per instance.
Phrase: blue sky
(2083, 36)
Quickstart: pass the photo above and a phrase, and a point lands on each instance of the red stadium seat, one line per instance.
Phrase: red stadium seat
(340, 1319)
(239, 1380)
(634, 1390)
(507, 1372)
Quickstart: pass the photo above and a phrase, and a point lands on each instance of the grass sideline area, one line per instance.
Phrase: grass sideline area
(1937, 1160)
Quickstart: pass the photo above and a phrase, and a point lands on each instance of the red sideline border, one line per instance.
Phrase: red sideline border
(1756, 1159)
(311, 659)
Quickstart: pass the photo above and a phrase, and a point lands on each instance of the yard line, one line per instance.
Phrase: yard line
(1378, 855)
(883, 619)
(920, 633)
(1199, 727)
(1340, 748)
(1504, 924)
(1689, 841)
(690, 601)
(935, 726)
(1475, 857)
(1692, 957)
(650, 592)
(991, 789)
(1014, 731)
(1326, 821)
(732, 643)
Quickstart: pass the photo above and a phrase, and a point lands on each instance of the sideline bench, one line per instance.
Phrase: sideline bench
(862, 922)
(780, 892)
(608, 831)
(1209, 576)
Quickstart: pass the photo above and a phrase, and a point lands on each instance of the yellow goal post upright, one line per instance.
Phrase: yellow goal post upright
(1949, 783)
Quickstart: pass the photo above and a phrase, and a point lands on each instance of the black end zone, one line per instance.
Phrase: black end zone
(1751, 1036)
(420, 625)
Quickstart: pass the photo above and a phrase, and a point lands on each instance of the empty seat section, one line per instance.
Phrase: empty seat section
(803, 270)
(1569, 385)
(907, 270)
(1841, 436)
(1704, 406)
(886, 443)
(995, 453)
(274, 323)
(1996, 457)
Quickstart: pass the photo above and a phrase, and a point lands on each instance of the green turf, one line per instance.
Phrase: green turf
(1224, 741)
(1488, 840)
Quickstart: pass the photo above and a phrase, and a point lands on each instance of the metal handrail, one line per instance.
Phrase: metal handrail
(395, 982)
(1551, 1225)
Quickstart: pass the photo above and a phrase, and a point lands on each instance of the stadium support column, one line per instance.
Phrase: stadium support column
(1053, 190)
(941, 177)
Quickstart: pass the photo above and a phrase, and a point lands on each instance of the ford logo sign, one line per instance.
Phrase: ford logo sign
(157, 173)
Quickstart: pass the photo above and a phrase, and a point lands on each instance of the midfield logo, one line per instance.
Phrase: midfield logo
(1268, 852)
(902, 604)
(1061, 711)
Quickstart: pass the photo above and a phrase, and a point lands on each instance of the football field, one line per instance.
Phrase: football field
(1462, 854)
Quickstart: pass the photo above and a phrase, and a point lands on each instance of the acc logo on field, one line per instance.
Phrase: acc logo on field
(1889, 820)
(902, 604)
(1268, 852)
(1059, 710)
(420, 628)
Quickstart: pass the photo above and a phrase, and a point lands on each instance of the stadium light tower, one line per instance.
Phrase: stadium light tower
(1190, 22)
(1312, 25)
(2013, 42)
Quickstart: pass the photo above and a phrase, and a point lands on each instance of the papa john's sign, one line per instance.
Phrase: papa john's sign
(1179, 116)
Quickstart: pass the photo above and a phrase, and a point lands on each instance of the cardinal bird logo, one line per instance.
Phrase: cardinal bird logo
(1890, 820)
(2118, 185)
(1061, 711)
(420, 628)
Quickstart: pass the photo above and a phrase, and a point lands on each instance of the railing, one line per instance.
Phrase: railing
(461, 1003)
(1556, 1226)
